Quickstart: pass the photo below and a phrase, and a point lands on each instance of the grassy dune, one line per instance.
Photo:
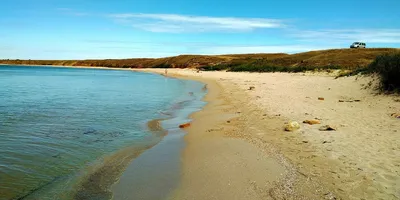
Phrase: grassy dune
(350, 59)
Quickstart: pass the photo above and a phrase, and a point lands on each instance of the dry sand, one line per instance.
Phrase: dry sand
(237, 149)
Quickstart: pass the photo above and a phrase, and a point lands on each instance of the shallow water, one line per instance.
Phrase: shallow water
(157, 172)
(60, 124)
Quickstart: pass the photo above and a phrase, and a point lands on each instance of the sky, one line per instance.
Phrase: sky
(98, 29)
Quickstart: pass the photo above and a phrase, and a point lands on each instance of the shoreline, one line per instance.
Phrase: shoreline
(139, 158)
(158, 168)
(358, 160)
(270, 175)
(108, 172)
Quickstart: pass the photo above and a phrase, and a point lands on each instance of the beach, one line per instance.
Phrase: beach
(237, 148)
(205, 100)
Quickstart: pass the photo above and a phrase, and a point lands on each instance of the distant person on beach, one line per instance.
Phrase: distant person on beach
(166, 71)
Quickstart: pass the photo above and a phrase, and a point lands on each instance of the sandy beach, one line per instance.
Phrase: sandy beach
(205, 100)
(237, 148)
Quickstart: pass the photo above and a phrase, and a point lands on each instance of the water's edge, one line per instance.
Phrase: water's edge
(98, 183)
(156, 173)
(95, 181)
(130, 171)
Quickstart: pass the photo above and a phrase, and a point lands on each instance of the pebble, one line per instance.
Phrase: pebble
(184, 125)
(327, 128)
(395, 115)
(292, 126)
(330, 196)
(312, 122)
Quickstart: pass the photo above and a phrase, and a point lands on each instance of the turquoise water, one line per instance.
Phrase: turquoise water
(56, 123)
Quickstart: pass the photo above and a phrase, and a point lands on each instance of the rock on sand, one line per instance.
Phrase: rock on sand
(292, 126)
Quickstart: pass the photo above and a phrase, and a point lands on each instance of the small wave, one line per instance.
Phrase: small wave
(180, 105)
(176, 106)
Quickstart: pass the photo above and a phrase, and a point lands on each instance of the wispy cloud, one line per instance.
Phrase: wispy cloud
(366, 35)
(174, 23)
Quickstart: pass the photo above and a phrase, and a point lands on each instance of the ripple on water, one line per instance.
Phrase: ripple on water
(61, 124)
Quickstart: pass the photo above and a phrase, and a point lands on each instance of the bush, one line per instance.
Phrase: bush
(388, 68)
(264, 65)
(257, 68)
(268, 68)
(215, 67)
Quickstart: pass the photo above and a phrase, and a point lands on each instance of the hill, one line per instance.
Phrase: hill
(350, 59)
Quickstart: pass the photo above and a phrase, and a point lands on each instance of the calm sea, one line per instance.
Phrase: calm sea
(60, 127)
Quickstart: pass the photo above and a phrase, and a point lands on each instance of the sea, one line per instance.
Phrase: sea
(70, 133)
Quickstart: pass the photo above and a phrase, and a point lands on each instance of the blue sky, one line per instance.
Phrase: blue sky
(84, 29)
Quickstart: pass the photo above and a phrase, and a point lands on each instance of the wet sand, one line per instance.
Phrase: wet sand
(100, 178)
(237, 149)
(156, 169)
(154, 174)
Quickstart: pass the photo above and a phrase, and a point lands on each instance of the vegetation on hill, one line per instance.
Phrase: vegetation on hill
(349, 59)
(388, 68)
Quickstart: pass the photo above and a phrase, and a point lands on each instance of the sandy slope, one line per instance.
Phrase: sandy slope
(361, 160)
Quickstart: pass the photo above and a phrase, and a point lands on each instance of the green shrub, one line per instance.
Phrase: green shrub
(388, 68)
(215, 67)
(256, 68)
(268, 68)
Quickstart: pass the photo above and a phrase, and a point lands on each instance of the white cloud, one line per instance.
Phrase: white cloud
(365, 35)
(174, 23)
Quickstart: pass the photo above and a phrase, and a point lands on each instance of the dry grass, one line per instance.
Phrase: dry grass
(343, 58)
